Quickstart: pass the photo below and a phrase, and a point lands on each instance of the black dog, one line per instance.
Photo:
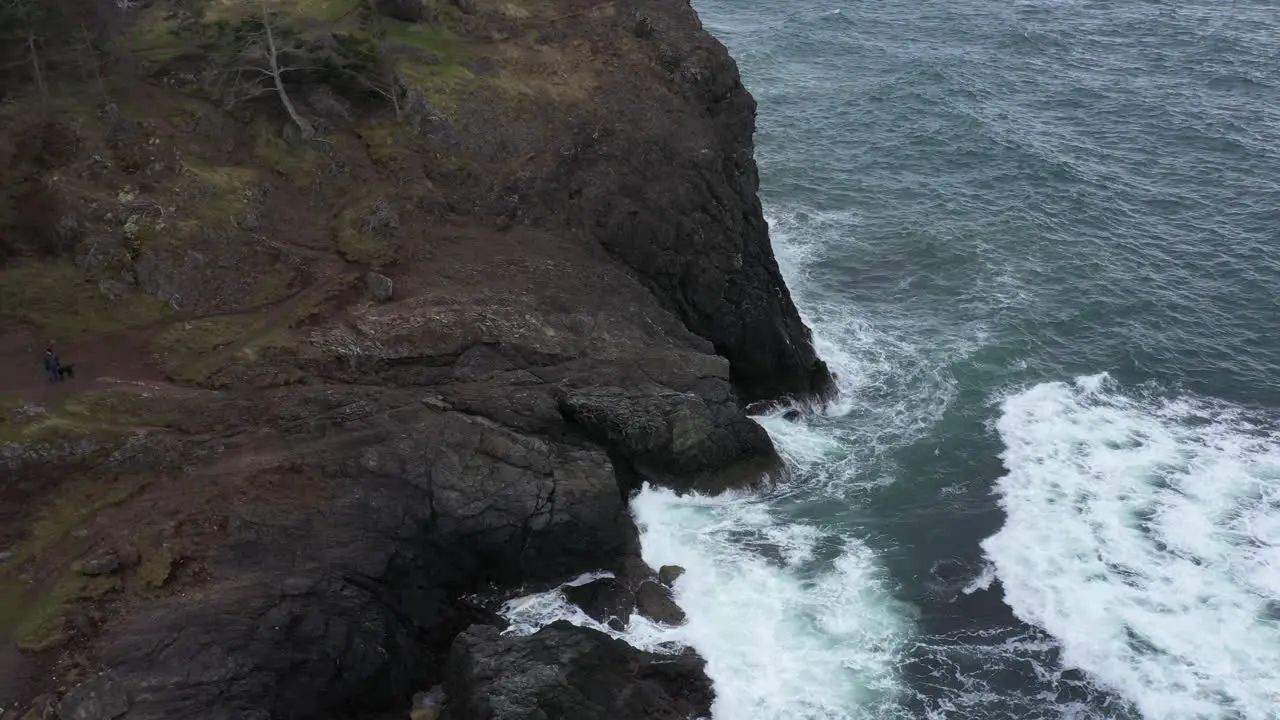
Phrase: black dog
(66, 371)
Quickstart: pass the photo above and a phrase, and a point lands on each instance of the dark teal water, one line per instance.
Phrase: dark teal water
(1041, 243)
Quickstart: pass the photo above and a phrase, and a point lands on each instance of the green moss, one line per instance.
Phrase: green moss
(42, 626)
(388, 142)
(120, 409)
(357, 244)
(438, 41)
(72, 506)
(214, 196)
(156, 567)
(153, 37)
(299, 164)
(323, 10)
(104, 417)
(185, 348)
(32, 614)
(274, 285)
(443, 85)
(63, 301)
(435, 69)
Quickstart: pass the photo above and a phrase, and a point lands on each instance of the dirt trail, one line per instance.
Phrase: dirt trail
(122, 355)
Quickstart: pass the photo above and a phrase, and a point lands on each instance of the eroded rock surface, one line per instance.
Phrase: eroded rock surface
(437, 376)
(572, 673)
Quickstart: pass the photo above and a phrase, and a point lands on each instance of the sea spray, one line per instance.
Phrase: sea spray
(530, 613)
(795, 622)
(1142, 533)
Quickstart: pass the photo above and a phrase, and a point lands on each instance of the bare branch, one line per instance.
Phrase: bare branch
(273, 56)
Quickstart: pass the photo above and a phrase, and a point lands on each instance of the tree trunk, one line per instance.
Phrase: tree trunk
(35, 67)
(304, 126)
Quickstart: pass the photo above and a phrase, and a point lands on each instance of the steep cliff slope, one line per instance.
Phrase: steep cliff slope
(406, 327)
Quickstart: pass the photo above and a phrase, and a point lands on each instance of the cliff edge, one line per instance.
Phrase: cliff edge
(376, 312)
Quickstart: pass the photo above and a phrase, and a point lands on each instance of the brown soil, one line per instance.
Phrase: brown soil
(98, 362)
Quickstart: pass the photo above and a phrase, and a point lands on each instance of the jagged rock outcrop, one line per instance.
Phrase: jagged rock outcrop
(571, 673)
(576, 296)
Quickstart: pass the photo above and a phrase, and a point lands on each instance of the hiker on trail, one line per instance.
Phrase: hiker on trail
(51, 363)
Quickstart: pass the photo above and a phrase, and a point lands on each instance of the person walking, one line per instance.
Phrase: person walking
(51, 363)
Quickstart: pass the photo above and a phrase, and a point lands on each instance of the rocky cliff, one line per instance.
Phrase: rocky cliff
(347, 365)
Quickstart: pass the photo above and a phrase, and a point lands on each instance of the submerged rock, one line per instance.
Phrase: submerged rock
(668, 574)
(654, 602)
(606, 600)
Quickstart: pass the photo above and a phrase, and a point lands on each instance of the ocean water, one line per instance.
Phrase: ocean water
(1040, 242)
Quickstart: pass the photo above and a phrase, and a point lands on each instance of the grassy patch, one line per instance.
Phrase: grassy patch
(120, 408)
(299, 164)
(70, 508)
(156, 566)
(272, 286)
(153, 37)
(316, 11)
(437, 41)
(434, 68)
(215, 196)
(323, 10)
(184, 348)
(62, 301)
(538, 73)
(355, 241)
(388, 141)
(42, 626)
(105, 417)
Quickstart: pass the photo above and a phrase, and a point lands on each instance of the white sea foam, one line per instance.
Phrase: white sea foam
(531, 613)
(893, 388)
(794, 622)
(1144, 534)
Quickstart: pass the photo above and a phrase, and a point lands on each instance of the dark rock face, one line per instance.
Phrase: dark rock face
(668, 574)
(415, 508)
(653, 600)
(483, 424)
(676, 437)
(405, 10)
(570, 673)
(606, 600)
(99, 699)
(676, 202)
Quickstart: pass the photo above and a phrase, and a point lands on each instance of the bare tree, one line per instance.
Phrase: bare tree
(24, 10)
(260, 69)
(277, 75)
(381, 77)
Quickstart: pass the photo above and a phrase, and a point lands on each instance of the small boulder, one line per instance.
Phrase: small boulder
(668, 574)
(103, 564)
(380, 286)
(605, 600)
(570, 672)
(654, 602)
(641, 26)
(98, 699)
(113, 290)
